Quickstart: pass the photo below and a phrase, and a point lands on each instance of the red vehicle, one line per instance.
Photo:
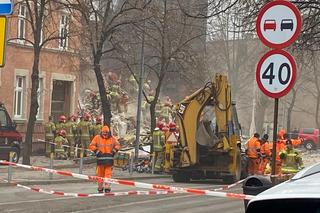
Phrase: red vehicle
(10, 138)
(310, 137)
(269, 24)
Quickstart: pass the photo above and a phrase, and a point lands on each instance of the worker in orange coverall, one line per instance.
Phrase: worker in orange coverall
(105, 146)
(253, 153)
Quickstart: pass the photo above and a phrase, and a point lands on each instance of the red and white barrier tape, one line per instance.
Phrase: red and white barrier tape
(60, 193)
(136, 184)
(226, 187)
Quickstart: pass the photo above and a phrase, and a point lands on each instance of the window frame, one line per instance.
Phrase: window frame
(22, 19)
(19, 89)
(63, 27)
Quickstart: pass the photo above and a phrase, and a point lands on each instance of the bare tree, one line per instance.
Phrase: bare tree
(100, 22)
(41, 19)
(169, 37)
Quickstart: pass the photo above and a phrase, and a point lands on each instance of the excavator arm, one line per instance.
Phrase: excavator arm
(217, 95)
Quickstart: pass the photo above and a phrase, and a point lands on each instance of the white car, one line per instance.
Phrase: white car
(299, 194)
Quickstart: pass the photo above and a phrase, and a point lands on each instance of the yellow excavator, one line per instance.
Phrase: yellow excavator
(209, 145)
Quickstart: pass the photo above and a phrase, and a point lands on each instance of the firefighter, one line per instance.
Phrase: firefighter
(96, 129)
(253, 152)
(124, 99)
(158, 142)
(71, 129)
(50, 131)
(171, 140)
(62, 123)
(134, 87)
(83, 130)
(265, 154)
(60, 152)
(291, 160)
(104, 146)
(115, 96)
(166, 111)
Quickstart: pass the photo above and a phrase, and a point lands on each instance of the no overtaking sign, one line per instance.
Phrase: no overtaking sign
(278, 24)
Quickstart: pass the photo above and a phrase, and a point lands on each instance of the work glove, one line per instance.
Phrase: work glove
(98, 153)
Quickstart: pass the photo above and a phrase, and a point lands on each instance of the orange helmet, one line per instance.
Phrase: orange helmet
(105, 131)
(98, 119)
(62, 118)
(62, 133)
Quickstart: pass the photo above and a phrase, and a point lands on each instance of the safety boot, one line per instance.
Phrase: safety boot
(107, 190)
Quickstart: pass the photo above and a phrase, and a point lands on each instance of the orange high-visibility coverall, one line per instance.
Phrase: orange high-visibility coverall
(252, 152)
(281, 134)
(104, 145)
(281, 145)
(266, 154)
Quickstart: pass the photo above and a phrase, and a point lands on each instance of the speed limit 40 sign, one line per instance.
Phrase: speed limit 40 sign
(276, 73)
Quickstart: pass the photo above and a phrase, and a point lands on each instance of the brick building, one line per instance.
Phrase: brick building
(59, 70)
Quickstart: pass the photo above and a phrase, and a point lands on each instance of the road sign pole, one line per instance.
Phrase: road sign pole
(275, 131)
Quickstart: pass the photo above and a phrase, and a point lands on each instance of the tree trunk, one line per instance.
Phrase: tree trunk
(154, 102)
(290, 108)
(261, 107)
(106, 109)
(33, 107)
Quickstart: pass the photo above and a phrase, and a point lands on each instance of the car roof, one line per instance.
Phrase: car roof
(305, 184)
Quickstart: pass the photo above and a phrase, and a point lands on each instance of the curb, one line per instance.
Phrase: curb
(64, 181)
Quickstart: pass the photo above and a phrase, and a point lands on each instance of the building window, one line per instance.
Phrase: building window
(22, 21)
(63, 32)
(18, 96)
(40, 98)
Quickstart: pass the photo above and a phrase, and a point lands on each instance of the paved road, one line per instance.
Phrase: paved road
(13, 199)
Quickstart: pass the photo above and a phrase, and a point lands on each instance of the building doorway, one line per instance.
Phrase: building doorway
(61, 99)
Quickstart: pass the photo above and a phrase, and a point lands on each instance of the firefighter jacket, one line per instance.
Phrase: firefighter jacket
(96, 130)
(158, 140)
(253, 147)
(291, 161)
(50, 129)
(60, 126)
(60, 141)
(84, 128)
(71, 128)
(105, 148)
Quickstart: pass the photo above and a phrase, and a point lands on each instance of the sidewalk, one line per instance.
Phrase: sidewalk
(29, 177)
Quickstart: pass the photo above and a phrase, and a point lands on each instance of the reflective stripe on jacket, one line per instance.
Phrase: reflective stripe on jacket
(104, 145)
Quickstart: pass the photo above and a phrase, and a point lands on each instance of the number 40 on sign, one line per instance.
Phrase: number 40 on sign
(276, 73)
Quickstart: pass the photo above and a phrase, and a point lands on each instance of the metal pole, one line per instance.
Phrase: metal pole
(51, 165)
(136, 156)
(275, 130)
(10, 167)
(153, 162)
(131, 163)
(81, 162)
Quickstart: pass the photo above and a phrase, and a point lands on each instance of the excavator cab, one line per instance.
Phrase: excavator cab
(208, 145)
